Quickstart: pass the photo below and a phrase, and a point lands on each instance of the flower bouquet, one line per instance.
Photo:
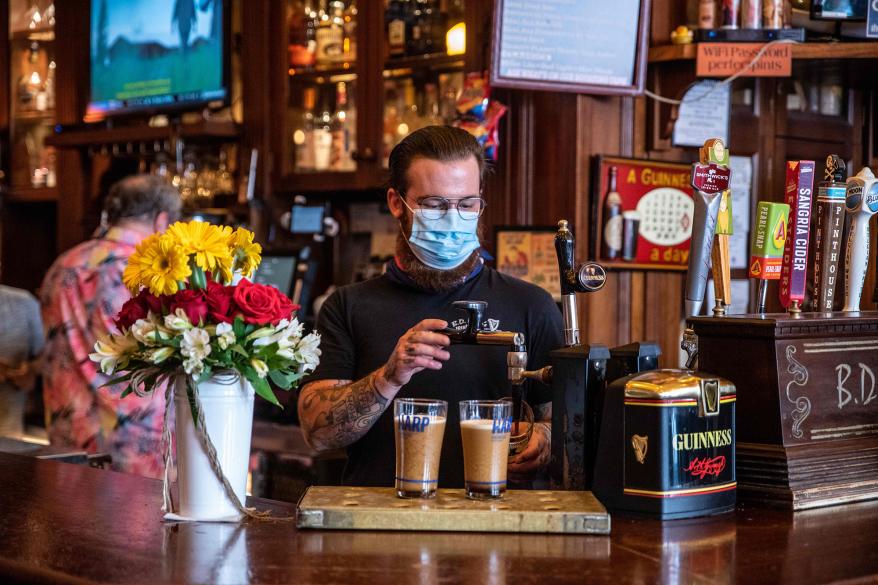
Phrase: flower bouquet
(196, 325)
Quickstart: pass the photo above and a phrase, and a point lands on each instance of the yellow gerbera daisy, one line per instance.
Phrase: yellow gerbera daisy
(245, 252)
(160, 263)
(133, 277)
(208, 243)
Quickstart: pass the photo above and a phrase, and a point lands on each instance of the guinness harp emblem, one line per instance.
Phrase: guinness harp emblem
(640, 445)
(710, 397)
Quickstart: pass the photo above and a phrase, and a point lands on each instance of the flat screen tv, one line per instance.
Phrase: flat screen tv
(154, 55)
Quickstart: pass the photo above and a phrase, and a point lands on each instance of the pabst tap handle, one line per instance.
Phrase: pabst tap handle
(861, 202)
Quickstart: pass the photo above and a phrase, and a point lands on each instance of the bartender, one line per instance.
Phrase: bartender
(381, 339)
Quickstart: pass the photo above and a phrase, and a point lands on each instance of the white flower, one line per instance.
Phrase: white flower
(261, 332)
(309, 351)
(193, 366)
(145, 332)
(225, 335)
(178, 321)
(113, 351)
(159, 354)
(260, 366)
(286, 335)
(195, 344)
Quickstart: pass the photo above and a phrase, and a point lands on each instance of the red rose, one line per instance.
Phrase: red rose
(131, 311)
(193, 304)
(261, 304)
(138, 308)
(220, 306)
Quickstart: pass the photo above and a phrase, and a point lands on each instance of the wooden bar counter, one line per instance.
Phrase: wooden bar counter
(65, 523)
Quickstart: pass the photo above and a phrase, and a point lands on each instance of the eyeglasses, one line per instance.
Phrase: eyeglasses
(437, 207)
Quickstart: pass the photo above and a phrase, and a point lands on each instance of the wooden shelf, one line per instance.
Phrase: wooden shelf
(323, 181)
(206, 130)
(321, 75)
(435, 61)
(42, 34)
(32, 194)
(813, 50)
(34, 116)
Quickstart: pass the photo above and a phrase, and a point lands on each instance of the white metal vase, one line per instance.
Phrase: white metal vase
(227, 405)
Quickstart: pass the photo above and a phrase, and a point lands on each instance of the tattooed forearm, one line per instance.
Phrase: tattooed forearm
(339, 414)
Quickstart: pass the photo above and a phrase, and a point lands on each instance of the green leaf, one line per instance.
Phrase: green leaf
(128, 390)
(261, 386)
(117, 380)
(280, 378)
(193, 407)
(240, 350)
(205, 375)
(238, 327)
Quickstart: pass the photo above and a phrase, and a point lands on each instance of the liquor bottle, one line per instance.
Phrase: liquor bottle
(297, 13)
(396, 28)
(344, 134)
(303, 137)
(391, 120)
(415, 42)
(411, 117)
(431, 106)
(330, 34)
(350, 32)
(323, 139)
(612, 218)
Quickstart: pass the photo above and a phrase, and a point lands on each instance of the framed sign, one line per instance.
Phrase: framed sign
(528, 253)
(642, 214)
(581, 46)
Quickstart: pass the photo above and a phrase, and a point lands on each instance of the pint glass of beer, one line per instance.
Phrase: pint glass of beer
(419, 427)
(484, 429)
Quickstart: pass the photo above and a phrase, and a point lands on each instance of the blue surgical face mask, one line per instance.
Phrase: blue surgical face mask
(444, 243)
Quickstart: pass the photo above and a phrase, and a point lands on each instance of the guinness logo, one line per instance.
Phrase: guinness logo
(640, 445)
(710, 397)
(592, 276)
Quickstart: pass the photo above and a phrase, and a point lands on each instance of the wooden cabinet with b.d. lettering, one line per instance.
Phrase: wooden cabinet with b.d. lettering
(807, 430)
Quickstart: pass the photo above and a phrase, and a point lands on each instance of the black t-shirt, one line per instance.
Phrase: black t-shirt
(361, 323)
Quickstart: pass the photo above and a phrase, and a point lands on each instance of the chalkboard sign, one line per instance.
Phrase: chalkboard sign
(582, 46)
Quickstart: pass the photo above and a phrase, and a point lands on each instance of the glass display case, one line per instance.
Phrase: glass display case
(350, 99)
(32, 95)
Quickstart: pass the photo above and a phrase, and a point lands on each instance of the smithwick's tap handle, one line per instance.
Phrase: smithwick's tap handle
(861, 202)
(710, 178)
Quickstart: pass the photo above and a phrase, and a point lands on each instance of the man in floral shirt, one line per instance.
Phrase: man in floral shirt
(80, 296)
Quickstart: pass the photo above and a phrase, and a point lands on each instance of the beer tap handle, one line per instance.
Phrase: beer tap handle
(564, 246)
(474, 310)
(861, 203)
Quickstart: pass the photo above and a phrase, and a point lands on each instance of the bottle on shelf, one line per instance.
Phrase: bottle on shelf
(432, 116)
(391, 120)
(415, 41)
(411, 117)
(302, 29)
(330, 33)
(303, 136)
(396, 16)
(612, 218)
(344, 131)
(323, 138)
(350, 32)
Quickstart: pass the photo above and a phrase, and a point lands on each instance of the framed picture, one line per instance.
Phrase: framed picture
(528, 253)
(642, 214)
(586, 46)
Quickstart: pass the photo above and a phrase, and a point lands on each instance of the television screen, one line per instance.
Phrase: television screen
(277, 271)
(154, 54)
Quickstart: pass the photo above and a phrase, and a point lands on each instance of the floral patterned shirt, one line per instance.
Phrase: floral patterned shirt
(80, 296)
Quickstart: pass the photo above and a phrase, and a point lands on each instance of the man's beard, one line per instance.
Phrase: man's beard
(430, 278)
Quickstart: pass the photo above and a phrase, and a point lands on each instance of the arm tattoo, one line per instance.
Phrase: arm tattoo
(343, 413)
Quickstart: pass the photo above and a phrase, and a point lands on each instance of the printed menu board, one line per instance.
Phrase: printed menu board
(583, 46)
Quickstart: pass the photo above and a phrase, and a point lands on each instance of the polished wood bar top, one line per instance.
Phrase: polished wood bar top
(64, 523)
